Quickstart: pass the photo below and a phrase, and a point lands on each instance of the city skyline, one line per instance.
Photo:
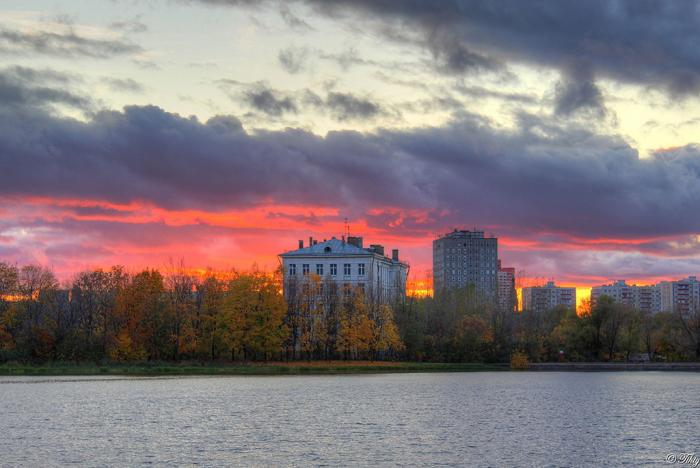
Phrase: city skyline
(130, 137)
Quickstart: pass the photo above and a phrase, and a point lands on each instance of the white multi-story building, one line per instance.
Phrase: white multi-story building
(348, 265)
(543, 298)
(466, 258)
(644, 298)
(680, 296)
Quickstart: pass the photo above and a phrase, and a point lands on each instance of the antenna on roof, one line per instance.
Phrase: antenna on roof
(347, 228)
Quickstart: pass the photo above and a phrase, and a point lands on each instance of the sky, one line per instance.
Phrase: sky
(219, 132)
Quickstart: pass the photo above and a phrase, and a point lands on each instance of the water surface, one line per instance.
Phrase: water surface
(466, 419)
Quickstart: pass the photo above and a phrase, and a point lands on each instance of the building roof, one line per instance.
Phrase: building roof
(331, 247)
(336, 247)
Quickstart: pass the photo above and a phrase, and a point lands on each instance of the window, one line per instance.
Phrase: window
(305, 269)
(319, 269)
(347, 289)
(361, 287)
(361, 269)
(334, 269)
(346, 269)
(292, 269)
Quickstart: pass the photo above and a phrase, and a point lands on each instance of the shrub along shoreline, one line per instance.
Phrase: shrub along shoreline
(324, 368)
(252, 368)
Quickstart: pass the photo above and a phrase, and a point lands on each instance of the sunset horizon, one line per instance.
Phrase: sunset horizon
(349, 232)
(301, 117)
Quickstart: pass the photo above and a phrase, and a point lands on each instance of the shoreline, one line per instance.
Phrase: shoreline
(614, 366)
(257, 368)
(326, 368)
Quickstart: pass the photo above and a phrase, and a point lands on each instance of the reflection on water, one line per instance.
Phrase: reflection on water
(472, 419)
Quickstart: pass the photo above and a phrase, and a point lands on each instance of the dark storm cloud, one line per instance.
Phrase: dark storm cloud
(22, 87)
(648, 42)
(42, 75)
(544, 177)
(453, 56)
(577, 91)
(345, 106)
(269, 101)
(62, 44)
(341, 106)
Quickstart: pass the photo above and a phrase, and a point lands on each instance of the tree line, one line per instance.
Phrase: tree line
(116, 316)
(113, 315)
(454, 327)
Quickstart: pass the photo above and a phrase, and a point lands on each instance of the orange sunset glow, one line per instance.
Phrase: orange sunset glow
(120, 149)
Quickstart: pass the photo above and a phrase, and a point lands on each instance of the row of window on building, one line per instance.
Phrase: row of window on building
(347, 269)
(347, 288)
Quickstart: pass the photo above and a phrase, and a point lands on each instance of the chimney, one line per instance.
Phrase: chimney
(395, 255)
(311, 241)
(301, 244)
(315, 242)
(356, 241)
(376, 248)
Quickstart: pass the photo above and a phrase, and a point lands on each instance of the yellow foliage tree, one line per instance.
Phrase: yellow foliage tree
(386, 333)
(356, 329)
(251, 322)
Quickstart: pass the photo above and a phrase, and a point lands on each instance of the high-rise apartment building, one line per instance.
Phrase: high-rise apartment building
(466, 258)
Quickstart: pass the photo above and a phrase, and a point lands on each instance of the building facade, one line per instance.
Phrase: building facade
(643, 298)
(543, 298)
(346, 265)
(647, 299)
(507, 295)
(681, 296)
(466, 258)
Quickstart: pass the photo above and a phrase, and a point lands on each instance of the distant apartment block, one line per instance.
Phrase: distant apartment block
(681, 296)
(647, 298)
(466, 258)
(643, 298)
(543, 298)
(346, 265)
(507, 295)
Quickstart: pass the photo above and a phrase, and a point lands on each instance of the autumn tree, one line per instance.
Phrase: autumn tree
(209, 297)
(181, 287)
(9, 284)
(92, 303)
(33, 320)
(386, 338)
(251, 322)
(142, 316)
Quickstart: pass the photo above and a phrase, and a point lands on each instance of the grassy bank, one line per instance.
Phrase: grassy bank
(271, 368)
